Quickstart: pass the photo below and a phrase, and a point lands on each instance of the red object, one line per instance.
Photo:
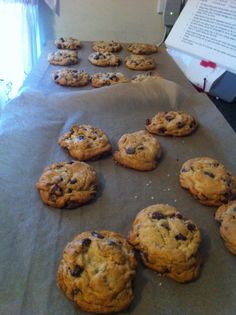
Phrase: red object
(208, 64)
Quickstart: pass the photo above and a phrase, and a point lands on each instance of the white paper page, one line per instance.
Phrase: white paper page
(207, 29)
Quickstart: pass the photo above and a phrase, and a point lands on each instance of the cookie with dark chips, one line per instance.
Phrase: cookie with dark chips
(96, 272)
(67, 184)
(168, 242)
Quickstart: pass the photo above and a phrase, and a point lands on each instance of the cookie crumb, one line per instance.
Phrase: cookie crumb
(168, 189)
(152, 198)
(135, 197)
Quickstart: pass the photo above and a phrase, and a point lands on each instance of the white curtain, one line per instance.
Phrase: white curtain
(20, 41)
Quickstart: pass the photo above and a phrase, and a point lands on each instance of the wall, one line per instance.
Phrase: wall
(121, 20)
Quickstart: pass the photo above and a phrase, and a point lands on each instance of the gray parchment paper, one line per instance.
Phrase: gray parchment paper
(33, 235)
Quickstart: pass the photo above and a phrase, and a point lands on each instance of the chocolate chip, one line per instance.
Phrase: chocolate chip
(62, 39)
(59, 46)
(148, 121)
(130, 150)
(162, 130)
(57, 190)
(179, 216)
(179, 125)
(86, 242)
(69, 190)
(95, 234)
(169, 117)
(209, 174)
(191, 227)
(71, 162)
(184, 170)
(166, 226)
(180, 237)
(56, 76)
(73, 181)
(77, 271)
(80, 138)
(158, 215)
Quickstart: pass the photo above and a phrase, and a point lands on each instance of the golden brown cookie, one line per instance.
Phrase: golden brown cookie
(85, 142)
(207, 180)
(63, 57)
(226, 216)
(109, 46)
(96, 272)
(104, 59)
(171, 123)
(144, 77)
(136, 62)
(67, 43)
(70, 77)
(67, 184)
(138, 150)
(108, 78)
(168, 242)
(142, 49)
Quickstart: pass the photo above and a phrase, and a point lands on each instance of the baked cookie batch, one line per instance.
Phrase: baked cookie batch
(98, 267)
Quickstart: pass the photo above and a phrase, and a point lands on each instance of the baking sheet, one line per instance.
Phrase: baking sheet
(33, 235)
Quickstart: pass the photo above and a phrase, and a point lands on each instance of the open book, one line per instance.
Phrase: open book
(207, 29)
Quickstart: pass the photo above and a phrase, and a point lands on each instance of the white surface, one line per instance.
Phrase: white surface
(207, 29)
(121, 20)
(194, 71)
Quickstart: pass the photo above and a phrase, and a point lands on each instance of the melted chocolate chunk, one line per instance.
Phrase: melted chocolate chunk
(179, 216)
(130, 150)
(169, 117)
(209, 174)
(69, 190)
(179, 125)
(158, 215)
(95, 234)
(77, 271)
(86, 242)
(191, 227)
(162, 130)
(73, 181)
(148, 121)
(57, 190)
(180, 237)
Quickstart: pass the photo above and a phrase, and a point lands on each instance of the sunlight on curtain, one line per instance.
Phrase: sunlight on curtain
(20, 41)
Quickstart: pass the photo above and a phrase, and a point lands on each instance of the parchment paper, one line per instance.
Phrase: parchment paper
(33, 235)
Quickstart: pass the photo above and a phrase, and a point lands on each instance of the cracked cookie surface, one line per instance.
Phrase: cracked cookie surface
(171, 123)
(63, 57)
(138, 150)
(97, 270)
(104, 59)
(142, 49)
(109, 46)
(107, 78)
(168, 242)
(67, 184)
(85, 142)
(68, 43)
(70, 77)
(226, 216)
(208, 181)
(138, 62)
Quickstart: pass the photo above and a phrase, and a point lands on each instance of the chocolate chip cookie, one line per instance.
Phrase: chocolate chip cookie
(67, 43)
(63, 57)
(208, 181)
(85, 142)
(171, 123)
(136, 62)
(226, 216)
(168, 242)
(96, 272)
(142, 49)
(67, 184)
(144, 77)
(138, 150)
(104, 59)
(108, 78)
(109, 46)
(70, 77)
